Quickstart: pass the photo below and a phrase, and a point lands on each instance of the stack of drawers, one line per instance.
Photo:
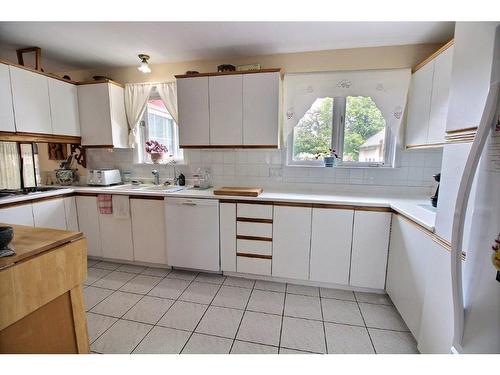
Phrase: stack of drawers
(254, 238)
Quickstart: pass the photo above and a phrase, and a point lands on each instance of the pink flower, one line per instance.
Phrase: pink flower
(155, 147)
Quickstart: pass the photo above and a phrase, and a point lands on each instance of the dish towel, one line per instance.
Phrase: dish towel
(121, 206)
(105, 204)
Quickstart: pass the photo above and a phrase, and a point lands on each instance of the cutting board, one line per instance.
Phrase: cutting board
(238, 191)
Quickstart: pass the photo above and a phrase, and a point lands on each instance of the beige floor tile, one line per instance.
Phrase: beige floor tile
(169, 288)
(212, 278)
(107, 265)
(183, 315)
(303, 290)
(132, 268)
(200, 293)
(141, 284)
(338, 311)
(97, 324)
(260, 328)
(121, 338)
(161, 340)
(270, 285)
(382, 316)
(239, 282)
(94, 274)
(220, 321)
(204, 344)
(346, 295)
(303, 334)
(153, 271)
(183, 275)
(344, 339)
(114, 280)
(242, 347)
(391, 342)
(116, 304)
(231, 296)
(302, 306)
(92, 296)
(149, 310)
(266, 301)
(293, 351)
(377, 298)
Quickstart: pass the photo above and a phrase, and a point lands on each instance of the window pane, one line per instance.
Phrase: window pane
(313, 133)
(364, 132)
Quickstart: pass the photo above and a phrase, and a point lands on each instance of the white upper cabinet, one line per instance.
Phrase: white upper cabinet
(428, 101)
(261, 99)
(419, 105)
(194, 115)
(226, 114)
(370, 245)
(31, 101)
(102, 115)
(6, 109)
(240, 110)
(291, 242)
(64, 108)
(331, 245)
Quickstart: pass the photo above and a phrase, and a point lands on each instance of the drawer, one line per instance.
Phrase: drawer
(244, 228)
(256, 266)
(254, 247)
(256, 211)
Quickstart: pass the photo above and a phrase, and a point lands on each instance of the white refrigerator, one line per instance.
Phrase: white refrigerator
(476, 281)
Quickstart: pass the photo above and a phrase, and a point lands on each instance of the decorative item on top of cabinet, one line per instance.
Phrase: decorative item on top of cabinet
(226, 68)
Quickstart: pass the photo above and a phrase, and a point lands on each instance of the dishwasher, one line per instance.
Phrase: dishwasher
(192, 233)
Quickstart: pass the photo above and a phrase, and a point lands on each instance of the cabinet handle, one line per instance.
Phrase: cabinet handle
(188, 203)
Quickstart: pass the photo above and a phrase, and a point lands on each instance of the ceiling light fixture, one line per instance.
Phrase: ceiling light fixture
(144, 67)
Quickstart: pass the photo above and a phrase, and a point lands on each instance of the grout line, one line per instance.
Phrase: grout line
(282, 317)
(323, 322)
(367, 331)
(241, 320)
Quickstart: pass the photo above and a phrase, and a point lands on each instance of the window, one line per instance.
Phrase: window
(353, 126)
(17, 157)
(158, 125)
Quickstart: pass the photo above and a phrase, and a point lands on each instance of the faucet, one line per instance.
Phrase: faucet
(156, 177)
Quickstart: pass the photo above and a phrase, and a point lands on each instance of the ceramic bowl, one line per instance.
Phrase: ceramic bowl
(6, 236)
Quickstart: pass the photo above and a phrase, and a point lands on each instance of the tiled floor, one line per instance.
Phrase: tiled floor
(135, 309)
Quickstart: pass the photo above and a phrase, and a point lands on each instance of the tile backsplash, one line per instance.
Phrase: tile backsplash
(268, 168)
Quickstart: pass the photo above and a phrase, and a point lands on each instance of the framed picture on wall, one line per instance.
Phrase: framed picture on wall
(57, 151)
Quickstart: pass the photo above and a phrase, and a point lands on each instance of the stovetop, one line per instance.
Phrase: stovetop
(25, 191)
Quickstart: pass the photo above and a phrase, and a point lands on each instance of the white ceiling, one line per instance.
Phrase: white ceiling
(110, 44)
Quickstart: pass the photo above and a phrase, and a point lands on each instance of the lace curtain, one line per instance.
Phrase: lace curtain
(10, 175)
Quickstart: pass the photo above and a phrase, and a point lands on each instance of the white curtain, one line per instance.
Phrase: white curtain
(388, 89)
(10, 175)
(136, 98)
(168, 93)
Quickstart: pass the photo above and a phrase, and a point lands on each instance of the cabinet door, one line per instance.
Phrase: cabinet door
(192, 101)
(228, 236)
(6, 108)
(119, 125)
(30, 94)
(440, 93)
(116, 237)
(148, 230)
(331, 245)
(226, 110)
(64, 108)
(407, 270)
(370, 244)
(261, 99)
(20, 215)
(291, 242)
(88, 220)
(94, 111)
(50, 214)
(71, 214)
(419, 105)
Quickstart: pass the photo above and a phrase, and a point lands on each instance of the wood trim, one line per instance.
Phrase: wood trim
(462, 130)
(249, 255)
(49, 75)
(352, 207)
(38, 56)
(85, 194)
(254, 220)
(254, 238)
(422, 146)
(147, 197)
(34, 200)
(94, 82)
(433, 56)
(212, 74)
(231, 146)
(79, 319)
(35, 137)
(465, 135)
(98, 146)
(293, 204)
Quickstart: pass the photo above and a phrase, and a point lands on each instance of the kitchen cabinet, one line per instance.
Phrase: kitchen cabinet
(331, 241)
(370, 244)
(64, 108)
(261, 105)
(148, 230)
(116, 237)
(88, 221)
(31, 101)
(50, 213)
(227, 229)
(71, 213)
(226, 110)
(428, 101)
(102, 116)
(7, 123)
(193, 108)
(21, 215)
(229, 109)
(291, 242)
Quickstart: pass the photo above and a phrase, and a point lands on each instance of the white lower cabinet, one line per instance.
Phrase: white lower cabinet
(18, 215)
(256, 266)
(50, 214)
(370, 245)
(148, 230)
(291, 242)
(227, 212)
(71, 213)
(88, 220)
(331, 242)
(116, 237)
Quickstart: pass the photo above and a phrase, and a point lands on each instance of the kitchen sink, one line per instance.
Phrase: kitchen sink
(150, 187)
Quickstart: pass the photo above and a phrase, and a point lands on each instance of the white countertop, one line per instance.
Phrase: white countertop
(409, 206)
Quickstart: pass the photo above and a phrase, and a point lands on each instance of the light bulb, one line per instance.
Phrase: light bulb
(144, 67)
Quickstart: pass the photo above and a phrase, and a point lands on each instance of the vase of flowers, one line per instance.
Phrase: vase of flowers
(330, 157)
(156, 150)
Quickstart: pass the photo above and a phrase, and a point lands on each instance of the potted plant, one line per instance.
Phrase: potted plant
(156, 150)
(329, 157)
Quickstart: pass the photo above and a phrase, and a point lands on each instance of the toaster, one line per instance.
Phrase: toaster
(104, 177)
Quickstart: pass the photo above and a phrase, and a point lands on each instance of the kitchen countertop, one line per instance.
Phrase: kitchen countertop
(409, 206)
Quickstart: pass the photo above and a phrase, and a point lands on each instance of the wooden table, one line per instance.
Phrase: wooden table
(41, 299)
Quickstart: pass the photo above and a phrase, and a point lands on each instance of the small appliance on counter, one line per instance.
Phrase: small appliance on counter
(202, 179)
(104, 177)
(434, 198)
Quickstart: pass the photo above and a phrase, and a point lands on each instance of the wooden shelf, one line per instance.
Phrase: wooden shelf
(271, 70)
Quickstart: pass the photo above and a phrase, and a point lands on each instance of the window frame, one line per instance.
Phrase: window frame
(337, 142)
